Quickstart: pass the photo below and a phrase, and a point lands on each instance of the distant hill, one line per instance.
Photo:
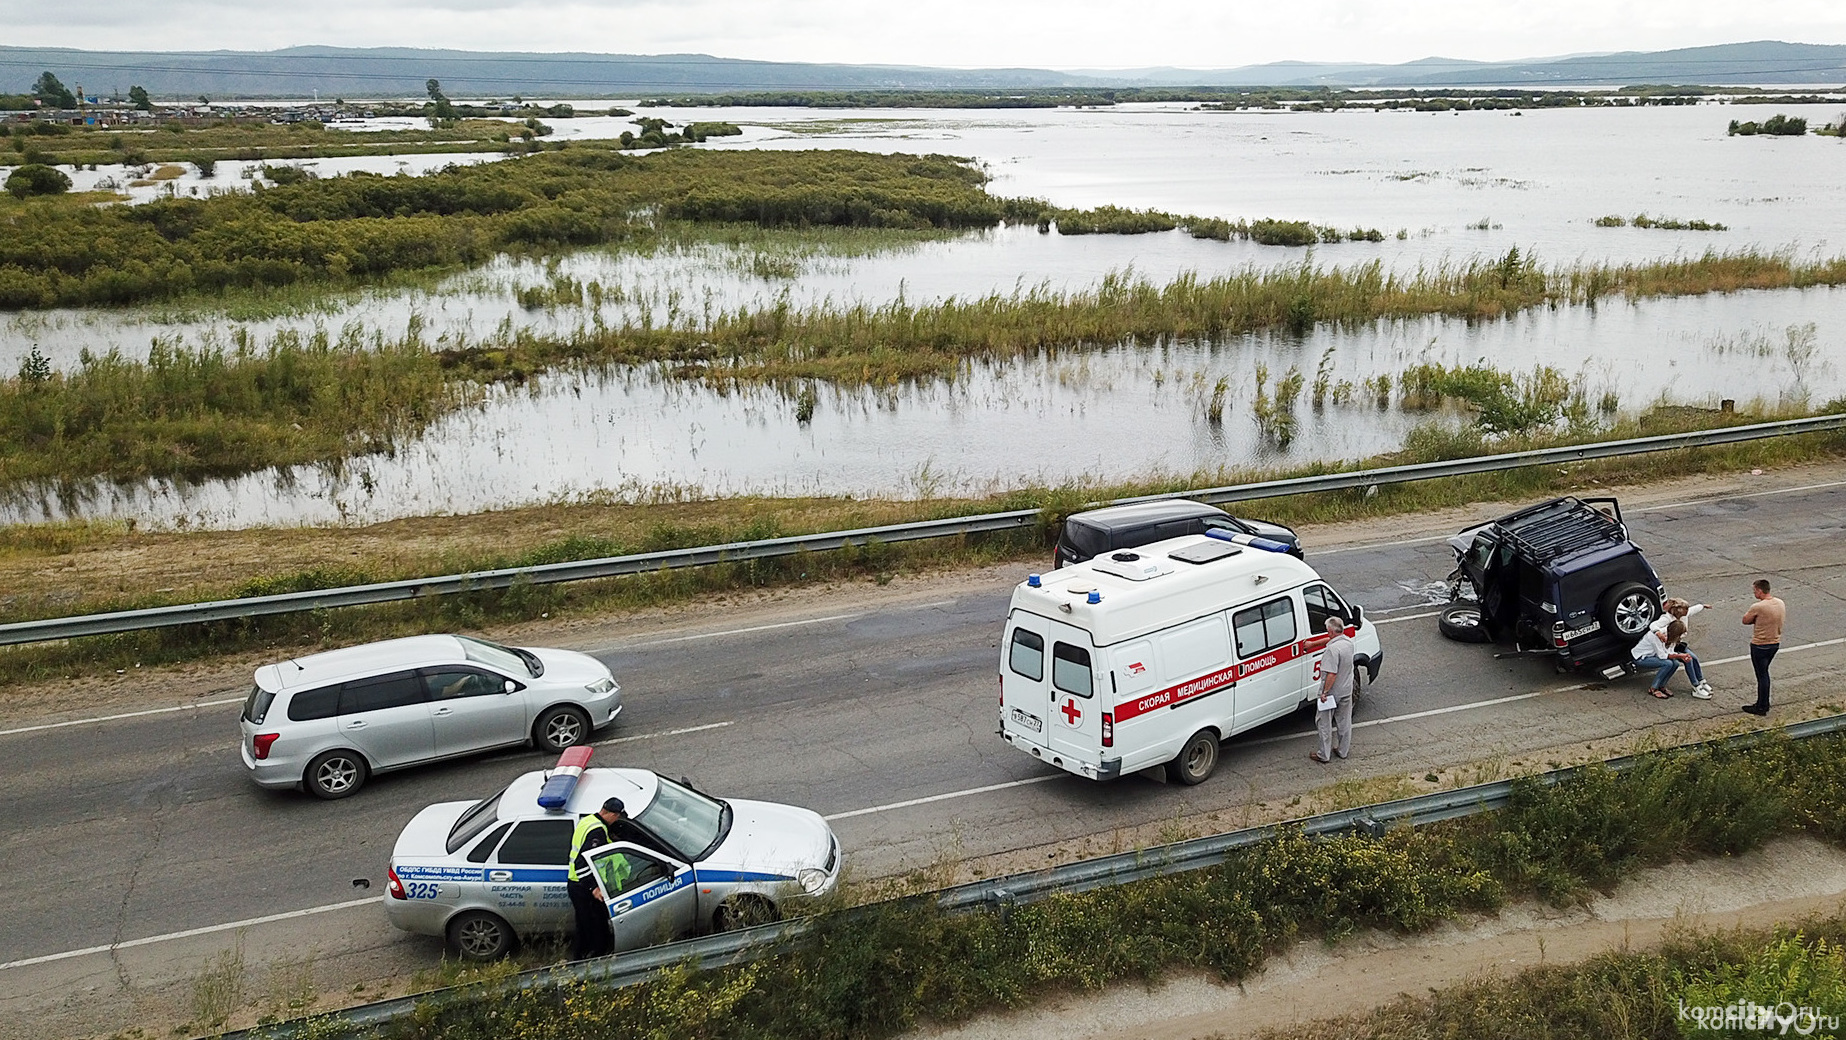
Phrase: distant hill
(401, 72)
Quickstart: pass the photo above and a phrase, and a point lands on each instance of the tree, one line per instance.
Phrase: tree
(442, 110)
(37, 179)
(50, 91)
(137, 96)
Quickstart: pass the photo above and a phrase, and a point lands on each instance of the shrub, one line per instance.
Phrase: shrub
(37, 179)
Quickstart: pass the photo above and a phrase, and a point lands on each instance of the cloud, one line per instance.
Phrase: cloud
(1039, 33)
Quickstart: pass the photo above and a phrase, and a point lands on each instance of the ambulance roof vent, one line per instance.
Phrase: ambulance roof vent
(1130, 565)
(1205, 552)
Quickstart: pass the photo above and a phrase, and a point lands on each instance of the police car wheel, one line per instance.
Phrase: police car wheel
(560, 728)
(335, 774)
(1195, 760)
(479, 936)
(743, 912)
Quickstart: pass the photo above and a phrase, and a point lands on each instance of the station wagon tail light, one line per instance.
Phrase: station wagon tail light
(393, 885)
(1108, 729)
(259, 745)
(564, 777)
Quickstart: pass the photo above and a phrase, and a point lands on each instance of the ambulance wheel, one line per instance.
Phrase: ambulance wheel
(335, 774)
(1195, 760)
(559, 728)
(479, 936)
(743, 912)
(1462, 623)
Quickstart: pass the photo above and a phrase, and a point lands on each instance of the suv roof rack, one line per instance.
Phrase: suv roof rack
(1558, 528)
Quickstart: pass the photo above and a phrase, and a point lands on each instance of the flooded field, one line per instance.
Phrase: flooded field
(1458, 186)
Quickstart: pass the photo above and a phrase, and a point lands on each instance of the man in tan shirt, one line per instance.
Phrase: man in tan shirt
(1765, 617)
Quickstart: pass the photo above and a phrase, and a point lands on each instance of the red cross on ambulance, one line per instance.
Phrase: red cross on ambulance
(1071, 712)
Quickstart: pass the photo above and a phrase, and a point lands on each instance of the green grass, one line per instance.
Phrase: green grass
(890, 967)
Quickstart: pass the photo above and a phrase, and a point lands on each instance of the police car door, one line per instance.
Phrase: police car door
(1075, 723)
(651, 898)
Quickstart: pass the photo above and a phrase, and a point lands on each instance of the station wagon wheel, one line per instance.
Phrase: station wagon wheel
(559, 728)
(744, 912)
(1629, 608)
(1463, 623)
(335, 774)
(479, 936)
(1195, 760)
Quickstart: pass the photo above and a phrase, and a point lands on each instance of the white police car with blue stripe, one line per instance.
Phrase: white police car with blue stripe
(484, 874)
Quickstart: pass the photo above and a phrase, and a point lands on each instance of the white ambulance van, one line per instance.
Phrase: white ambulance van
(1153, 656)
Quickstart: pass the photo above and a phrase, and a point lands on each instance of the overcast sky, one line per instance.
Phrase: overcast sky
(1037, 33)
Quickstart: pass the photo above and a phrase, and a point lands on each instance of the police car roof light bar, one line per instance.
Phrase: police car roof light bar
(1250, 540)
(563, 780)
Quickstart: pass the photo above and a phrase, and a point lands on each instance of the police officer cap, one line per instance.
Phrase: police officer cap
(614, 805)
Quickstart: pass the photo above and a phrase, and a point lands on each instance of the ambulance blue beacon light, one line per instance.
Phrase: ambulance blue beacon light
(563, 780)
(1250, 540)
(1033, 580)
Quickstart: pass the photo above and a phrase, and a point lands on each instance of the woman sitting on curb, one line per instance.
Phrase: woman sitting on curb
(1651, 652)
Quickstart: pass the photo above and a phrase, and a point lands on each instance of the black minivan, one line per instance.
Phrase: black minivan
(1097, 531)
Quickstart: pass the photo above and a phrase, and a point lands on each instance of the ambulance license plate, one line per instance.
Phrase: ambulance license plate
(1029, 721)
(1584, 631)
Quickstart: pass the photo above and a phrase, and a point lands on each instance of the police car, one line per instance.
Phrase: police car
(483, 874)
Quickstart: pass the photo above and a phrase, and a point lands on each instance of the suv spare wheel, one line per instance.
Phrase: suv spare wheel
(1629, 608)
(1462, 623)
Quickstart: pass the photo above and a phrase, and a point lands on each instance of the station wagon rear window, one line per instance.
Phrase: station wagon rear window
(314, 704)
(256, 707)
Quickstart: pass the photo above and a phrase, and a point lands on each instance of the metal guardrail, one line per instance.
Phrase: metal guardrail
(768, 548)
(729, 948)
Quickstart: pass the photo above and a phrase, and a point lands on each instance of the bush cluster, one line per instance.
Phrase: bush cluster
(305, 229)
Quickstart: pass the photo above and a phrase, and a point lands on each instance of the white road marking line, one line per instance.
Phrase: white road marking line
(944, 797)
(667, 733)
(623, 740)
(729, 632)
(1784, 650)
(123, 715)
(190, 932)
(1753, 494)
(1407, 617)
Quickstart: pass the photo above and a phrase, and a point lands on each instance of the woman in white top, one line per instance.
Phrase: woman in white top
(1662, 648)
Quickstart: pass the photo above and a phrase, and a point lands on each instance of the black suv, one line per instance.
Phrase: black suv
(1097, 531)
(1560, 578)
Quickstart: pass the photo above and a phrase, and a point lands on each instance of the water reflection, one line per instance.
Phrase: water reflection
(640, 434)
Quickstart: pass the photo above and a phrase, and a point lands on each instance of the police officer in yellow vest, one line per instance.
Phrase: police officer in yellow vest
(593, 938)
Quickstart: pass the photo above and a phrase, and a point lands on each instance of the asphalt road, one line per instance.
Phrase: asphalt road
(139, 828)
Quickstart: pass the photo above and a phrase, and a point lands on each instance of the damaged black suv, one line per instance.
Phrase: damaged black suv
(1559, 579)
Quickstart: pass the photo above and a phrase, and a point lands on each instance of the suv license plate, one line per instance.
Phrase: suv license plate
(1031, 722)
(1584, 631)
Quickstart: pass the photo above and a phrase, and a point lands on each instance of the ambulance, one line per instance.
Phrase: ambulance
(1152, 656)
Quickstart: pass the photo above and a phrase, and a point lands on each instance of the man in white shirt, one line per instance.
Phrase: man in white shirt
(1336, 685)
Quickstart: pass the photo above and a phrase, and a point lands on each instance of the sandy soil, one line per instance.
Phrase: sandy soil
(1784, 882)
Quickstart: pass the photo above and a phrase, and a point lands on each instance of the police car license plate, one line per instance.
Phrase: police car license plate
(1029, 721)
(1584, 631)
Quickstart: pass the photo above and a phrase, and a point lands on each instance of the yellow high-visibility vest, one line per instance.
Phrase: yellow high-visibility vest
(585, 826)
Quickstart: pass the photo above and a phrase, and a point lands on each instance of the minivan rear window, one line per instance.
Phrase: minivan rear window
(1070, 670)
(1027, 656)
(307, 705)
(256, 706)
(1084, 540)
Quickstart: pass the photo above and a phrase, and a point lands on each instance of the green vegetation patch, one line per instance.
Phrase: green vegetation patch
(362, 226)
(883, 969)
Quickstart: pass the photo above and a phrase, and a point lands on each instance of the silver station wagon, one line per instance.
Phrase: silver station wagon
(328, 721)
(484, 874)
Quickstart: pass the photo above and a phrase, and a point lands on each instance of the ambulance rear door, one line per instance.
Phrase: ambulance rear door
(1074, 727)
